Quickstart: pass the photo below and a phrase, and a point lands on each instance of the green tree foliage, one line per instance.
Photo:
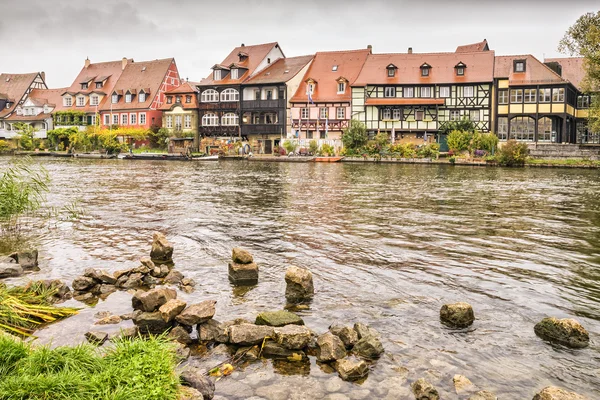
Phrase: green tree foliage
(465, 125)
(484, 141)
(290, 146)
(355, 136)
(459, 140)
(513, 154)
(313, 146)
(158, 138)
(4, 146)
(26, 134)
(430, 150)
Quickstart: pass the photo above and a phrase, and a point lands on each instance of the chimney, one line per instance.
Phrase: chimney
(243, 45)
(370, 48)
(123, 63)
(43, 75)
(410, 50)
(87, 62)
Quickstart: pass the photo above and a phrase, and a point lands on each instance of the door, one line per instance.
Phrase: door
(268, 146)
(443, 142)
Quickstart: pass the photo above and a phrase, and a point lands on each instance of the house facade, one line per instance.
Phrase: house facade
(15, 89)
(180, 111)
(36, 111)
(220, 94)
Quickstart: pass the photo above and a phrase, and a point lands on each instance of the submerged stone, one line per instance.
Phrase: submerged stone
(368, 347)
(249, 334)
(346, 333)
(351, 368)
(10, 270)
(293, 337)
(96, 337)
(462, 383)
(424, 390)
(483, 395)
(82, 283)
(556, 393)
(331, 347)
(278, 318)
(457, 315)
(567, 332)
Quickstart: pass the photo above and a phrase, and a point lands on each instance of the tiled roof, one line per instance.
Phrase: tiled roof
(573, 69)
(535, 71)
(255, 55)
(185, 87)
(41, 97)
(479, 67)
(281, 70)
(470, 48)
(146, 75)
(28, 118)
(14, 87)
(325, 69)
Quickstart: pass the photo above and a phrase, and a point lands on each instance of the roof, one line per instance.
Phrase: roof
(14, 87)
(394, 101)
(573, 69)
(146, 75)
(479, 67)
(535, 71)
(255, 55)
(185, 87)
(41, 97)
(281, 70)
(326, 68)
(474, 47)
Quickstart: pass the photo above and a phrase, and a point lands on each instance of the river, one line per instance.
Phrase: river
(387, 244)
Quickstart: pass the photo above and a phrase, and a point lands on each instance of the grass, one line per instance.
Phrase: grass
(130, 369)
(563, 161)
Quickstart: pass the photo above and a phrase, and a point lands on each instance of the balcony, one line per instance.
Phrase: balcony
(262, 129)
(263, 104)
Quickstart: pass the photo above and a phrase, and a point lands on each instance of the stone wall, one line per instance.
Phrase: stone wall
(553, 150)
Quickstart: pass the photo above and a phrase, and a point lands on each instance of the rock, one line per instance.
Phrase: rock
(556, 393)
(83, 297)
(162, 250)
(213, 331)
(131, 315)
(368, 347)
(197, 313)
(9, 270)
(567, 332)
(249, 353)
(240, 256)
(152, 299)
(142, 269)
(121, 273)
(346, 333)
(95, 290)
(27, 259)
(424, 390)
(164, 271)
(96, 337)
(107, 289)
(133, 281)
(275, 350)
(189, 393)
(125, 333)
(171, 309)
(249, 334)
(187, 289)
(196, 379)
(156, 273)
(180, 334)
(106, 277)
(457, 315)
(363, 330)
(278, 318)
(91, 273)
(148, 263)
(462, 383)
(61, 290)
(82, 283)
(174, 277)
(243, 274)
(483, 395)
(188, 282)
(151, 322)
(110, 320)
(150, 281)
(351, 368)
(293, 337)
(299, 285)
(182, 352)
(331, 347)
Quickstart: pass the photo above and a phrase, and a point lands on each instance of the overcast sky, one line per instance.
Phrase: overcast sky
(56, 36)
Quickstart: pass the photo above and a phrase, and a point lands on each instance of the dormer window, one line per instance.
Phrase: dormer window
(460, 69)
(128, 98)
(519, 66)
(93, 100)
(391, 70)
(115, 98)
(235, 73)
(188, 98)
(178, 99)
(80, 101)
(425, 68)
(169, 99)
(142, 97)
(334, 68)
(67, 101)
(217, 75)
(310, 86)
(84, 86)
(98, 85)
(341, 87)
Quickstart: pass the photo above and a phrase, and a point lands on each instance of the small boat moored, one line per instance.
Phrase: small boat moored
(206, 158)
(328, 159)
(94, 156)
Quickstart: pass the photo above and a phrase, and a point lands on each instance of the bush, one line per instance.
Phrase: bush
(452, 160)
(290, 146)
(513, 154)
(484, 141)
(4, 146)
(355, 136)
(327, 150)
(313, 147)
(431, 150)
(459, 140)
(404, 150)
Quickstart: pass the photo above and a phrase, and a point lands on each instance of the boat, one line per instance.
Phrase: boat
(94, 156)
(328, 159)
(157, 157)
(61, 155)
(206, 158)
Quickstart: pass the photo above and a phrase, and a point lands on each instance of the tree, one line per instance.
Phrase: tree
(355, 136)
(26, 134)
(465, 125)
(583, 39)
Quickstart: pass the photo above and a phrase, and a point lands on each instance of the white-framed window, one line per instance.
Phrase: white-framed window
(178, 122)
(334, 68)
(454, 115)
(474, 115)
(304, 113)
(230, 95)
(115, 119)
(530, 95)
(169, 121)
(502, 128)
(341, 87)
(210, 119)
(142, 118)
(425, 71)
(519, 66)
(128, 98)
(98, 85)
(386, 114)
(460, 71)
(106, 119)
(444, 91)
(124, 119)
(209, 96)
(426, 92)
(93, 100)
(468, 91)
(391, 72)
(516, 96)
(217, 75)
(389, 91)
(503, 97)
(68, 101)
(115, 98)
(558, 95)
(408, 92)
(397, 114)
(341, 112)
(545, 95)
(522, 128)
(544, 130)
(229, 119)
(133, 118)
(323, 112)
(235, 73)
(310, 88)
(80, 101)
(84, 86)
(187, 121)
(142, 97)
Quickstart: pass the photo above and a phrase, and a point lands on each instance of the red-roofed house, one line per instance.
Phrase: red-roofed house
(37, 110)
(321, 105)
(15, 88)
(180, 111)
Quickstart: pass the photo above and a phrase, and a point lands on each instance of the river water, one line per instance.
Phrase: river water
(387, 245)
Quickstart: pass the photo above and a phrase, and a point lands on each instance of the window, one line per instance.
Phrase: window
(503, 97)
(80, 101)
(94, 100)
(127, 97)
(426, 92)
(389, 91)
(84, 86)
(142, 97)
(106, 119)
(408, 92)
(98, 85)
(519, 66)
(178, 122)
(229, 119)
(454, 115)
(445, 91)
(391, 72)
(386, 114)
(304, 113)
(142, 118)
(209, 96)
(341, 113)
(124, 119)
(419, 115)
(516, 96)
(115, 98)
(210, 120)
(474, 115)
(178, 99)
(322, 135)
(188, 99)
(460, 71)
(217, 75)
(310, 88)
(341, 87)
(234, 73)
(230, 95)
(133, 118)
(115, 119)
(169, 99)
(188, 121)
(468, 91)
(67, 101)
(545, 95)
(529, 95)
(558, 95)
(323, 112)
(309, 134)
(334, 68)
(503, 128)
(583, 101)
(257, 94)
(425, 71)
(544, 130)
(522, 128)
(397, 114)
(170, 121)
(269, 94)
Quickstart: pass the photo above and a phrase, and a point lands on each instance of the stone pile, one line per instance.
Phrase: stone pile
(17, 263)
(243, 271)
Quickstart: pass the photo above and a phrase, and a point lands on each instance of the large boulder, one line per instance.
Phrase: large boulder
(196, 379)
(457, 315)
(351, 368)
(243, 274)
(171, 309)
(9, 270)
(27, 259)
(82, 283)
(462, 383)
(331, 347)
(249, 334)
(241, 256)
(567, 332)
(424, 390)
(152, 299)
(197, 313)
(162, 250)
(213, 331)
(369, 347)
(293, 337)
(556, 393)
(299, 285)
(151, 322)
(483, 395)
(278, 318)
(348, 335)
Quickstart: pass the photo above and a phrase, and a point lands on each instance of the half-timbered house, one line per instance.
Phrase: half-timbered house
(36, 111)
(16, 89)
